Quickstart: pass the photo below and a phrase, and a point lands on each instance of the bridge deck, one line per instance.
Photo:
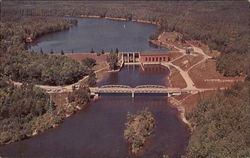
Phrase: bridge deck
(153, 89)
(139, 90)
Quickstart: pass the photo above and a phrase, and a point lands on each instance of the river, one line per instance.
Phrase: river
(99, 34)
(97, 131)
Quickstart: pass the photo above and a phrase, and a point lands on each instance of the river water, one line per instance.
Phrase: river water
(97, 132)
(98, 34)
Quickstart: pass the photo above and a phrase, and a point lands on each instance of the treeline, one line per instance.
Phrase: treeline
(234, 64)
(222, 125)
(27, 110)
(43, 69)
(223, 26)
(15, 30)
(19, 107)
(18, 64)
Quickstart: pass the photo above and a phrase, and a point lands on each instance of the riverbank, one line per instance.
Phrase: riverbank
(176, 65)
(118, 19)
(181, 63)
(63, 26)
(55, 108)
(197, 69)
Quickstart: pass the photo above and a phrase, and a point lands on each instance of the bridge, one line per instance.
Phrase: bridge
(141, 89)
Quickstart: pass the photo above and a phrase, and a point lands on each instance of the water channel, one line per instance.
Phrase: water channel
(97, 131)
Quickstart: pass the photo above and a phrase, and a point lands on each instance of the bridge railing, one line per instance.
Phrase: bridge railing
(150, 86)
(126, 86)
(115, 86)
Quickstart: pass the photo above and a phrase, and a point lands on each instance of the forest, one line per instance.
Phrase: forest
(28, 110)
(223, 26)
(221, 125)
(19, 107)
(42, 69)
(18, 64)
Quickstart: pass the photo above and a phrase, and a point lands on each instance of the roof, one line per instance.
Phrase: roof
(154, 53)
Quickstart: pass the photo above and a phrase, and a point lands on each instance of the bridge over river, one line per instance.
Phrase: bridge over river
(141, 89)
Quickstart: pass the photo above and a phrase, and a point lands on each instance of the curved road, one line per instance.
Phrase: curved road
(189, 82)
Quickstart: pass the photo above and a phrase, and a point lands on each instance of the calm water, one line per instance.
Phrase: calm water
(98, 34)
(134, 75)
(97, 132)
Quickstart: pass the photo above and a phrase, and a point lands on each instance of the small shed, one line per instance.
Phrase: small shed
(189, 49)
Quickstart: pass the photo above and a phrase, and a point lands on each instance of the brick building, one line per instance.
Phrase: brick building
(154, 57)
(150, 57)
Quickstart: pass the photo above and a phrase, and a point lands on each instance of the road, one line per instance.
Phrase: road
(185, 75)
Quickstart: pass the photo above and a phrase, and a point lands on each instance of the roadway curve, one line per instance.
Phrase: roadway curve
(185, 75)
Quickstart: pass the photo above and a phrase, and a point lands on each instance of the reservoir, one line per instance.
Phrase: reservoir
(99, 34)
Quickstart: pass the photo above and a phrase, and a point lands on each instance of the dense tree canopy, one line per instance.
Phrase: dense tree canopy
(89, 62)
(92, 79)
(112, 59)
(138, 128)
(28, 110)
(222, 125)
(31, 67)
(18, 108)
(80, 97)
(42, 69)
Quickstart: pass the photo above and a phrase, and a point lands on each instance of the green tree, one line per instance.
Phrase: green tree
(92, 50)
(62, 52)
(51, 51)
(92, 79)
(80, 96)
(116, 50)
(89, 62)
(112, 59)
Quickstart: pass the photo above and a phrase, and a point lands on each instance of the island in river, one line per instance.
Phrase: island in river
(70, 138)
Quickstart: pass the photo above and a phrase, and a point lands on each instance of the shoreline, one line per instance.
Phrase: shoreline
(116, 19)
(174, 102)
(181, 110)
(68, 88)
(156, 42)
